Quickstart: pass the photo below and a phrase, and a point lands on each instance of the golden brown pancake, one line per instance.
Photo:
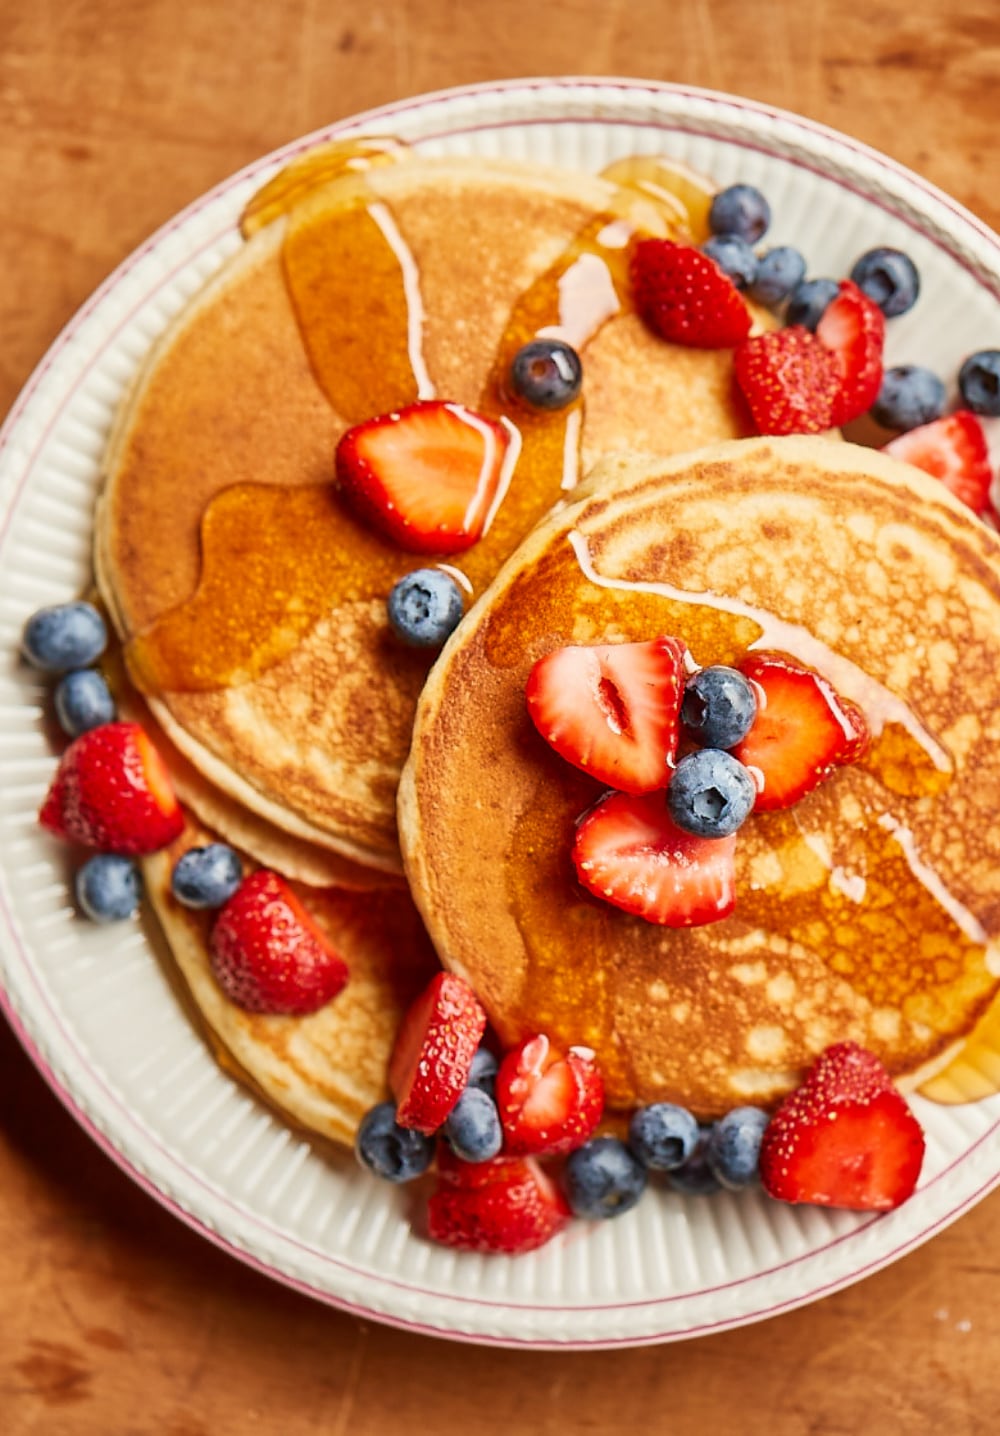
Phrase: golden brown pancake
(251, 603)
(869, 911)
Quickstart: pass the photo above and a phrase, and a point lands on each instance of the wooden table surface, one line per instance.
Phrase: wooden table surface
(115, 1318)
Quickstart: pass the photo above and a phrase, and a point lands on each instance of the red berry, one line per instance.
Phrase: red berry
(512, 1213)
(790, 381)
(433, 1052)
(853, 329)
(952, 449)
(685, 296)
(548, 1101)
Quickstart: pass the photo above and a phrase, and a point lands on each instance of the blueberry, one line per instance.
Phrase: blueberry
(603, 1179)
(546, 374)
(662, 1136)
(979, 382)
(711, 793)
(741, 209)
(425, 606)
(733, 1147)
(483, 1071)
(719, 707)
(83, 701)
(779, 271)
(890, 278)
(206, 877)
(68, 635)
(734, 257)
(398, 1154)
(108, 887)
(909, 396)
(696, 1178)
(473, 1126)
(810, 301)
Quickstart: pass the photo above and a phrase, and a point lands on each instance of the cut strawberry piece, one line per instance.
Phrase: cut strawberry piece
(801, 731)
(112, 791)
(845, 1138)
(860, 740)
(433, 1052)
(425, 476)
(456, 1173)
(548, 1101)
(790, 381)
(952, 449)
(513, 1215)
(685, 297)
(612, 710)
(629, 852)
(853, 329)
(269, 955)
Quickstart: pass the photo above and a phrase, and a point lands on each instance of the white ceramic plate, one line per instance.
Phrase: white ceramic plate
(94, 1007)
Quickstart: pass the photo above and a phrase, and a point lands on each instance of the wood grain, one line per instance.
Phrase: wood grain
(114, 1318)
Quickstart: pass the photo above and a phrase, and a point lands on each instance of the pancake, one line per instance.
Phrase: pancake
(250, 602)
(869, 911)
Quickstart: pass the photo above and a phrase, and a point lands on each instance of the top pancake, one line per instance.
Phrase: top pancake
(870, 911)
(281, 684)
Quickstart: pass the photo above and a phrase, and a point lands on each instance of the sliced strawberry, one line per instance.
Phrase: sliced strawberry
(790, 381)
(952, 449)
(548, 1101)
(685, 297)
(112, 791)
(801, 731)
(456, 1173)
(853, 329)
(425, 476)
(268, 955)
(508, 1215)
(612, 710)
(860, 740)
(629, 852)
(433, 1052)
(845, 1138)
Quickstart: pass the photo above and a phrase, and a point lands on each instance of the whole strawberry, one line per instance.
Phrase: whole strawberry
(268, 955)
(685, 297)
(112, 791)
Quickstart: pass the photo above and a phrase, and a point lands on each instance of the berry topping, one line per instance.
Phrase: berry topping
(68, 635)
(853, 327)
(425, 607)
(112, 791)
(890, 278)
(910, 396)
(389, 1151)
(473, 1126)
(426, 476)
(549, 1101)
(108, 887)
(711, 794)
(695, 1177)
(546, 374)
(434, 1050)
(83, 701)
(719, 706)
(801, 732)
(268, 955)
(508, 1207)
(979, 382)
(779, 272)
(207, 876)
(629, 852)
(845, 1138)
(732, 1150)
(662, 1136)
(741, 209)
(612, 710)
(790, 381)
(457, 1172)
(734, 257)
(809, 302)
(685, 297)
(603, 1179)
(954, 450)
(483, 1071)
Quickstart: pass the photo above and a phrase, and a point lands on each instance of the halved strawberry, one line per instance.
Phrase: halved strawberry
(267, 953)
(853, 329)
(952, 449)
(801, 731)
(685, 296)
(511, 1213)
(790, 381)
(612, 710)
(425, 476)
(845, 1138)
(629, 852)
(457, 1173)
(549, 1101)
(112, 791)
(861, 738)
(433, 1052)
